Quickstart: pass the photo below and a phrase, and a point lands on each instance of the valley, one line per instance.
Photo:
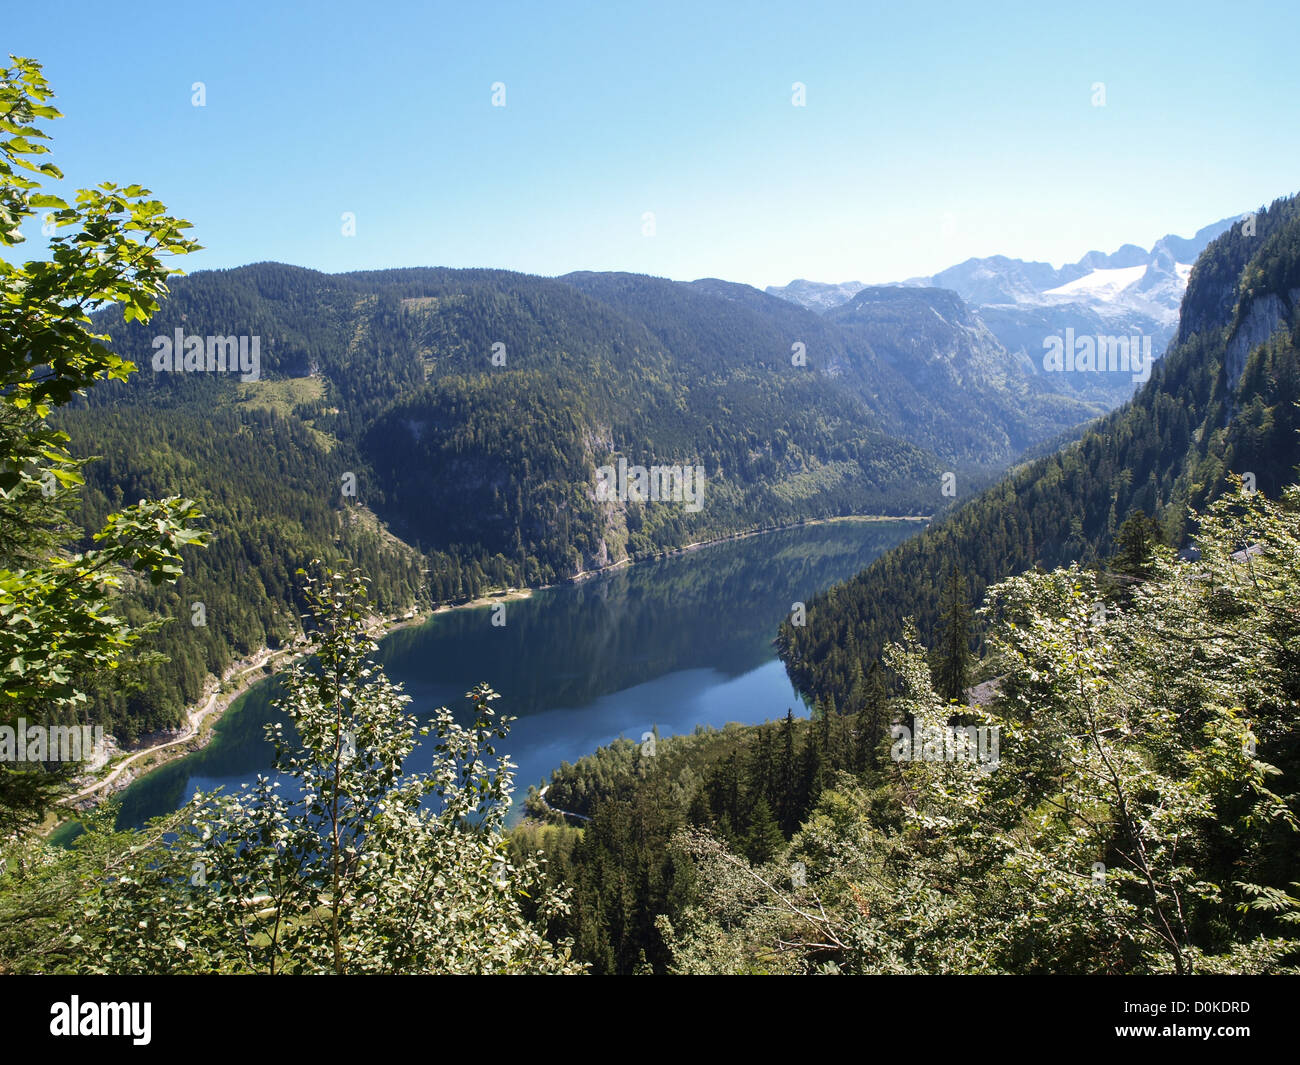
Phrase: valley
(456, 518)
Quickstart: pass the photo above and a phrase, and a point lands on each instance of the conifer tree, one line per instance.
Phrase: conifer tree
(765, 838)
(760, 776)
(952, 675)
(870, 722)
(1135, 544)
(787, 777)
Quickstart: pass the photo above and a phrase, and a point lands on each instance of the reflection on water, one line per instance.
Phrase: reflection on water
(673, 643)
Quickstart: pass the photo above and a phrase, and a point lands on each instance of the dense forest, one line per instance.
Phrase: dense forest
(260, 480)
(1119, 795)
(411, 421)
(1139, 816)
(1223, 400)
(680, 855)
(751, 787)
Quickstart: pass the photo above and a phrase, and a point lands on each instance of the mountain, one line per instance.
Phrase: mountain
(985, 398)
(997, 279)
(1149, 281)
(1129, 292)
(816, 295)
(443, 429)
(950, 392)
(822, 798)
(1222, 400)
(451, 431)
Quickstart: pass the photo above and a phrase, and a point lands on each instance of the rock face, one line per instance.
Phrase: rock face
(1259, 320)
(929, 334)
(998, 279)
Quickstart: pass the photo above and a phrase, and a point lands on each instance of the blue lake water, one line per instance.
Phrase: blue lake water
(669, 644)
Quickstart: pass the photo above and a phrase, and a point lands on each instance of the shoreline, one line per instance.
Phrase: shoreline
(200, 720)
(670, 552)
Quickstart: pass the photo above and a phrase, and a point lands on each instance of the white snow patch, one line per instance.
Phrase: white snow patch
(1100, 284)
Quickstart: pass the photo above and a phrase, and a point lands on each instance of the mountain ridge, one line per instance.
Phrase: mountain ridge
(1125, 292)
(1224, 400)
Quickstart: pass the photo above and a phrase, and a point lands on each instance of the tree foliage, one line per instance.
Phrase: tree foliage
(59, 598)
(342, 864)
(1141, 816)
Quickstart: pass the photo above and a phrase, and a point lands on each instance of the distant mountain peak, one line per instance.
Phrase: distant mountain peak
(1154, 284)
(1128, 291)
(817, 295)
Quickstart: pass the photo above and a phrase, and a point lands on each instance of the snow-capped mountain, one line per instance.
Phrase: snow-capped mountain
(1106, 284)
(1151, 281)
(817, 295)
(1131, 291)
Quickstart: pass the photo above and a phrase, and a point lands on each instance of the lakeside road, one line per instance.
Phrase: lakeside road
(218, 702)
(194, 720)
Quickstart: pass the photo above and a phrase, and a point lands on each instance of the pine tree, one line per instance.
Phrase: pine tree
(759, 783)
(787, 781)
(826, 733)
(700, 813)
(871, 721)
(952, 675)
(765, 838)
(812, 769)
(1135, 544)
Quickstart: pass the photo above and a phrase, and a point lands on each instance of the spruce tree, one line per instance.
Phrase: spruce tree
(765, 839)
(826, 732)
(871, 720)
(1135, 545)
(760, 775)
(812, 769)
(787, 780)
(952, 673)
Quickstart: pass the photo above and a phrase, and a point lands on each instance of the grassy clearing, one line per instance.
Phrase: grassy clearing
(282, 396)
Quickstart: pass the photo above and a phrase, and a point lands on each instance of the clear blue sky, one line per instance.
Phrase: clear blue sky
(932, 132)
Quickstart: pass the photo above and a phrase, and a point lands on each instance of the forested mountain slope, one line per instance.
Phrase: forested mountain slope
(260, 478)
(984, 400)
(1222, 400)
(1126, 804)
(469, 411)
